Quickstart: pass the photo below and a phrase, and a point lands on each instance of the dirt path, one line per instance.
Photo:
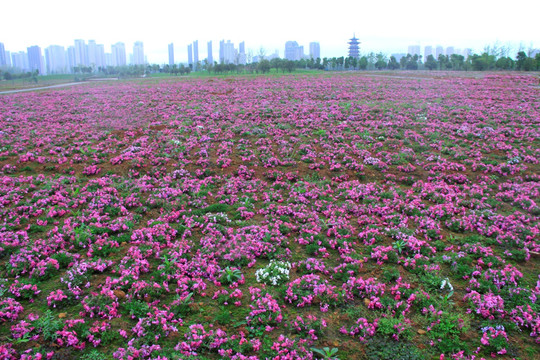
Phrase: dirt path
(42, 88)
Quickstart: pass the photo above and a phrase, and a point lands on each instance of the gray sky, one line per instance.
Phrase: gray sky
(388, 25)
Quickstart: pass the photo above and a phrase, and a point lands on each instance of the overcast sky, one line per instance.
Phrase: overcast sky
(388, 25)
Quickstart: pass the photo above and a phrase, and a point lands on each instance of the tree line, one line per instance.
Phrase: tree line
(486, 61)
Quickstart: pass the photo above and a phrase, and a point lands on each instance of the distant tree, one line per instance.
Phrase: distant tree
(8, 75)
(444, 62)
(431, 63)
(392, 63)
(318, 63)
(288, 65)
(275, 63)
(504, 63)
(381, 61)
(529, 64)
(363, 63)
(409, 62)
(403, 62)
(520, 60)
(457, 61)
(264, 66)
(325, 62)
(372, 59)
(478, 62)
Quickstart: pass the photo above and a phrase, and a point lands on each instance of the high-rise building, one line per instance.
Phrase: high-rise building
(222, 51)
(171, 54)
(195, 53)
(20, 60)
(190, 54)
(242, 57)
(35, 61)
(100, 56)
(55, 57)
(119, 54)
(3, 56)
(314, 50)
(109, 59)
(81, 53)
(428, 50)
(292, 50)
(229, 53)
(8, 59)
(439, 51)
(71, 58)
(92, 53)
(450, 50)
(414, 50)
(354, 47)
(210, 58)
(138, 53)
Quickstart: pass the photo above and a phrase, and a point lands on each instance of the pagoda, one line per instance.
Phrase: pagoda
(354, 47)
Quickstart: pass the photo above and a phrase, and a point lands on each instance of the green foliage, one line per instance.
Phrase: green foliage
(399, 245)
(136, 308)
(326, 353)
(48, 325)
(94, 355)
(391, 274)
(396, 328)
(223, 317)
(378, 348)
(229, 276)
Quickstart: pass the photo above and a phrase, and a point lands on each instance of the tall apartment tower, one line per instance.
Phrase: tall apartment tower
(100, 56)
(119, 54)
(138, 53)
(195, 54)
(414, 50)
(314, 50)
(35, 61)
(55, 57)
(229, 53)
(92, 53)
(20, 60)
(196, 51)
(354, 47)
(439, 51)
(210, 58)
(242, 57)
(70, 58)
(81, 53)
(428, 50)
(171, 54)
(190, 54)
(291, 50)
(3, 55)
(222, 52)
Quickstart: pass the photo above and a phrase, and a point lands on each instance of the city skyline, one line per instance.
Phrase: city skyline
(463, 25)
(57, 59)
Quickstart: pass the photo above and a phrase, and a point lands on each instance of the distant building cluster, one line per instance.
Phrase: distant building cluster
(437, 51)
(228, 54)
(294, 52)
(56, 59)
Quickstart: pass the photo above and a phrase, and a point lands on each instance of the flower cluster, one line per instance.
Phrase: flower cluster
(275, 273)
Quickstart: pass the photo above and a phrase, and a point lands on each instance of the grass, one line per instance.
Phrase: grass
(45, 80)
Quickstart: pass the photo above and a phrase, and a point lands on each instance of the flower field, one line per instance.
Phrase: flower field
(295, 217)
